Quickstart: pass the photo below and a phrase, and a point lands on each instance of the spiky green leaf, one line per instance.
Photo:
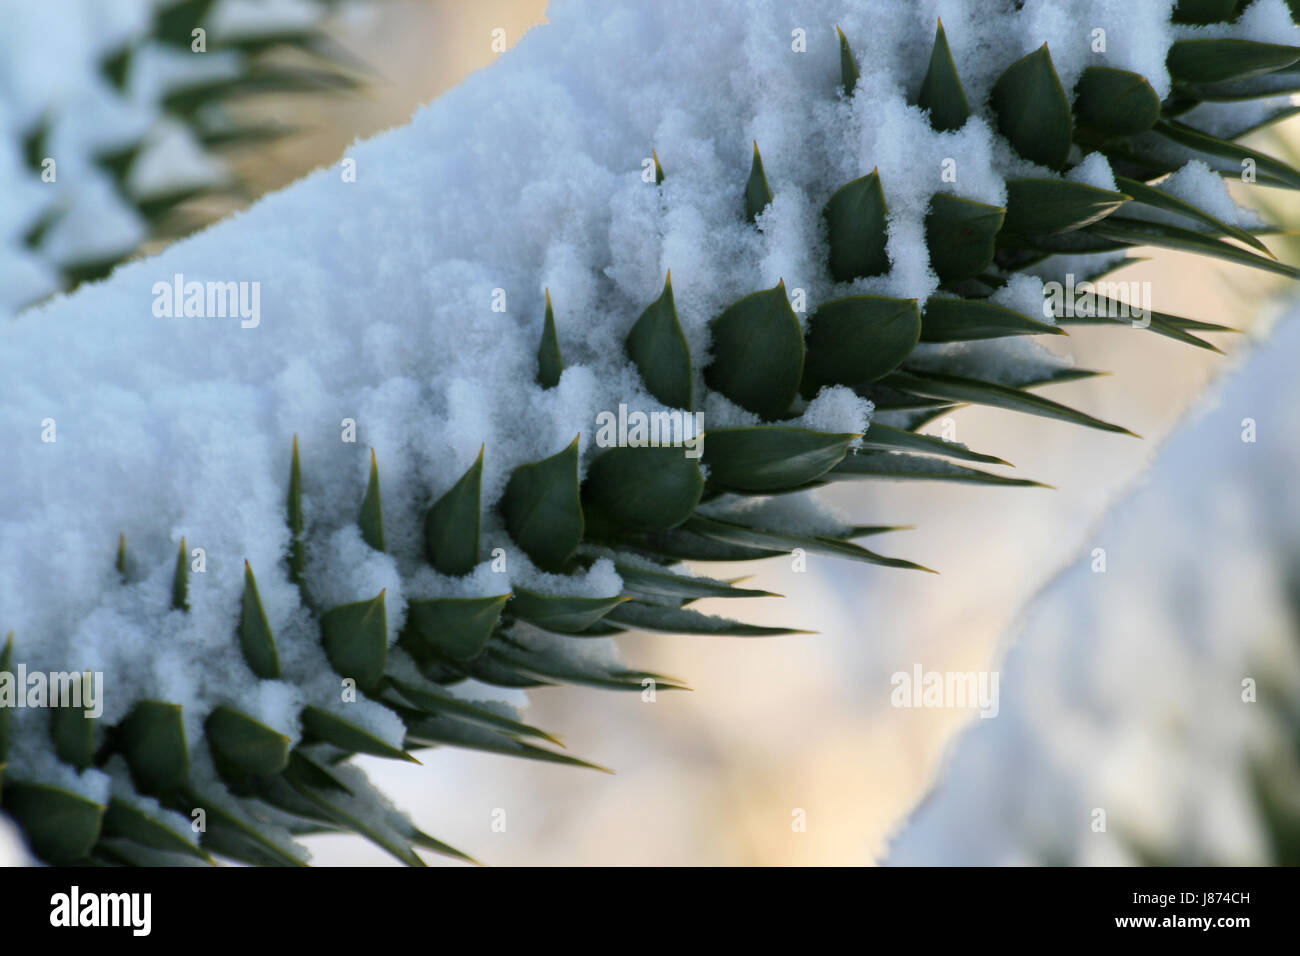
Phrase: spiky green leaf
(900, 466)
(1115, 102)
(961, 235)
(880, 437)
(125, 821)
(848, 65)
(545, 665)
(733, 533)
(328, 727)
(771, 457)
(458, 628)
(650, 586)
(255, 637)
(1204, 11)
(73, 733)
(680, 545)
(1033, 111)
(757, 192)
(246, 743)
(1049, 206)
(60, 826)
(960, 389)
(1171, 326)
(1232, 157)
(451, 528)
(955, 320)
(561, 613)
(671, 620)
(231, 834)
(543, 510)
(758, 353)
(432, 698)
(1139, 233)
(355, 637)
(858, 339)
(550, 366)
(372, 510)
(856, 217)
(440, 731)
(941, 91)
(1159, 199)
(657, 347)
(180, 580)
(1216, 59)
(152, 739)
(645, 488)
(362, 823)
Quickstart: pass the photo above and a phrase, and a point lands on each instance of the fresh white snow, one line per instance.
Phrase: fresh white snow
(409, 301)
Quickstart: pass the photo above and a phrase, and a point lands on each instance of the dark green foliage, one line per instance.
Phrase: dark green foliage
(856, 216)
(1033, 111)
(657, 347)
(542, 508)
(452, 525)
(550, 366)
(758, 353)
(941, 92)
(757, 192)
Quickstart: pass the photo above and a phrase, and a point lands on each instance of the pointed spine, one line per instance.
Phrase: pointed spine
(372, 509)
(180, 581)
(848, 65)
(550, 365)
(757, 192)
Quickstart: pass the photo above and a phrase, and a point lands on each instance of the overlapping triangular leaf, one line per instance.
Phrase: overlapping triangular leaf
(858, 339)
(961, 236)
(856, 216)
(657, 347)
(561, 613)
(453, 627)
(451, 528)
(152, 739)
(542, 509)
(771, 457)
(1049, 206)
(953, 319)
(758, 353)
(1033, 111)
(1112, 102)
(941, 90)
(962, 389)
(550, 365)
(355, 637)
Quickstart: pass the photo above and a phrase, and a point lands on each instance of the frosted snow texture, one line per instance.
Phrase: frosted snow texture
(376, 305)
(1123, 690)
